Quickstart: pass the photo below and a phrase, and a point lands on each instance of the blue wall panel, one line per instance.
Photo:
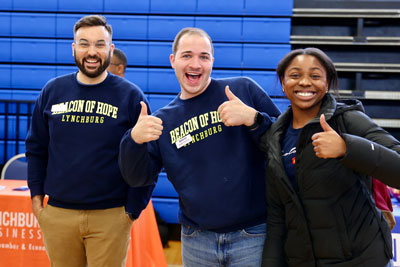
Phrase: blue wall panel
(6, 5)
(5, 22)
(227, 55)
(269, 7)
(266, 30)
(64, 52)
(159, 53)
(5, 50)
(163, 81)
(231, 7)
(92, 6)
(166, 27)
(34, 77)
(221, 29)
(126, 6)
(65, 25)
(130, 28)
(158, 101)
(33, 25)
(263, 56)
(136, 52)
(33, 50)
(173, 6)
(138, 76)
(5, 76)
(35, 5)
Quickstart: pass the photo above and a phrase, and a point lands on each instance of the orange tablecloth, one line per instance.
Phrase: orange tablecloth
(21, 241)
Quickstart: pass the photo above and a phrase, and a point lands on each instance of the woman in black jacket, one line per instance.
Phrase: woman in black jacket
(321, 155)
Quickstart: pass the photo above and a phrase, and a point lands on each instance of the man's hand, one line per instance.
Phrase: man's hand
(37, 205)
(328, 144)
(234, 112)
(148, 128)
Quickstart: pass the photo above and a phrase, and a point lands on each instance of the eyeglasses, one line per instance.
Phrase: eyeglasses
(84, 45)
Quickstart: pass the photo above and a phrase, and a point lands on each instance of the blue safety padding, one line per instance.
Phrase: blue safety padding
(128, 27)
(173, 6)
(159, 53)
(158, 101)
(33, 25)
(65, 25)
(5, 22)
(281, 103)
(127, 6)
(5, 50)
(16, 94)
(92, 6)
(267, 80)
(34, 77)
(5, 76)
(138, 76)
(266, 30)
(225, 73)
(33, 50)
(221, 28)
(64, 52)
(227, 55)
(6, 5)
(163, 81)
(167, 208)
(62, 70)
(164, 188)
(231, 7)
(166, 27)
(136, 52)
(263, 56)
(268, 7)
(12, 127)
(35, 5)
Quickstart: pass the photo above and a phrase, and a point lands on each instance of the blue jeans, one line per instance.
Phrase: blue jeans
(234, 249)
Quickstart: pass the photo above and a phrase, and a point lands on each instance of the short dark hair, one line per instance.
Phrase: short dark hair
(121, 56)
(190, 31)
(327, 63)
(92, 20)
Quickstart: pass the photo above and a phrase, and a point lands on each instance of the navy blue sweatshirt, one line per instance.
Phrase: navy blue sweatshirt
(219, 175)
(72, 145)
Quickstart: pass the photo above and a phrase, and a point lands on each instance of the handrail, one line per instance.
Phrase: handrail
(346, 13)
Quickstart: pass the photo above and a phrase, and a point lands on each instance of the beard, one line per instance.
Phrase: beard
(93, 74)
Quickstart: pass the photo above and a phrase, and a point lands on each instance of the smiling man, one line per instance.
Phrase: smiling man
(72, 150)
(206, 139)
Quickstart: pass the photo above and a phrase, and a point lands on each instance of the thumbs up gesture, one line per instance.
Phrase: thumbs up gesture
(148, 128)
(328, 144)
(234, 112)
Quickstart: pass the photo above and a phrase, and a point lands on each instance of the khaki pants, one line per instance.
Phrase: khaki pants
(79, 238)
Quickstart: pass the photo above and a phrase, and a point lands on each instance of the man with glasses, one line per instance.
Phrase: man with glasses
(118, 63)
(72, 150)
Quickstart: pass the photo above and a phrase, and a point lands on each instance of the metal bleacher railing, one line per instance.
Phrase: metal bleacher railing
(15, 118)
(362, 38)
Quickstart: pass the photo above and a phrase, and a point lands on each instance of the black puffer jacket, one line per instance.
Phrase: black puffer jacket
(331, 219)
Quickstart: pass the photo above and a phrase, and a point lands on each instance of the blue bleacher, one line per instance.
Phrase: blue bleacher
(250, 36)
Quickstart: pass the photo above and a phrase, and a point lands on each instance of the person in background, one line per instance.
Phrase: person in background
(117, 66)
(207, 141)
(72, 151)
(321, 155)
(118, 63)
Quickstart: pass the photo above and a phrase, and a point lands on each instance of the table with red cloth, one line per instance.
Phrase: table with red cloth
(21, 241)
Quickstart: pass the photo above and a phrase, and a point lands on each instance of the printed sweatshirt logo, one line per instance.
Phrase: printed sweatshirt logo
(206, 120)
(96, 111)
